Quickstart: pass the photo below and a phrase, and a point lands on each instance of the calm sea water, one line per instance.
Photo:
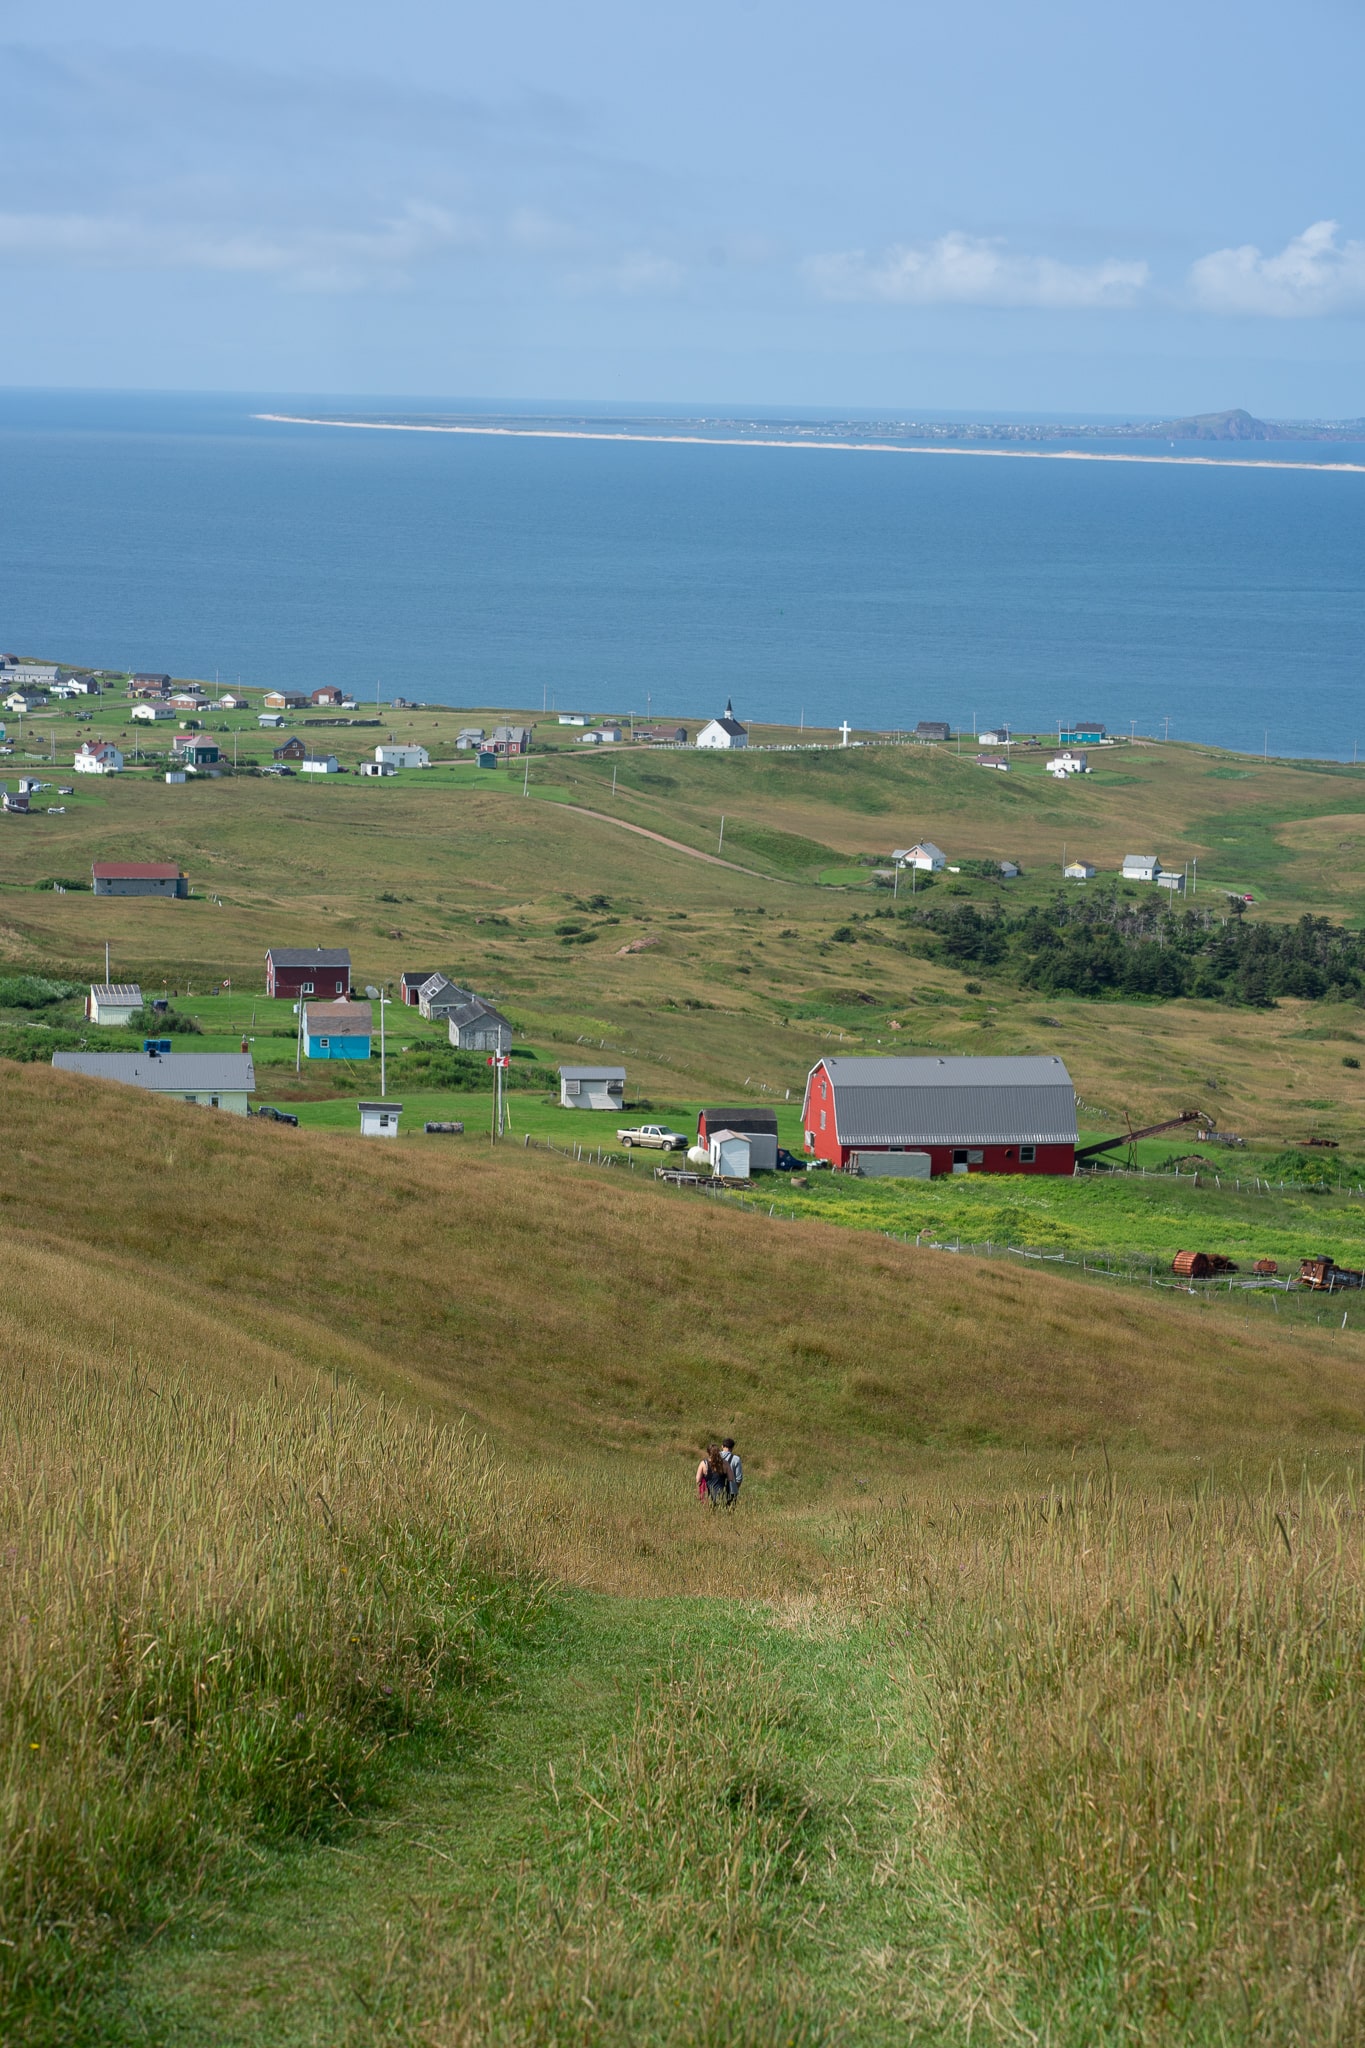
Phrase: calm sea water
(182, 533)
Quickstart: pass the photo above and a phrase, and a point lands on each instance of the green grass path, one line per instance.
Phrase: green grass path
(689, 1822)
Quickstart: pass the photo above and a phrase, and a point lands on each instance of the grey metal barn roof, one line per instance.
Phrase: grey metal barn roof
(168, 1072)
(592, 1073)
(915, 1101)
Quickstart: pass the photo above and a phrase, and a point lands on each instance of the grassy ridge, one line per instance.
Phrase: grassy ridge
(570, 1308)
(1055, 1544)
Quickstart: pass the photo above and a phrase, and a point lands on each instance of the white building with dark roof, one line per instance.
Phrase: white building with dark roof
(723, 732)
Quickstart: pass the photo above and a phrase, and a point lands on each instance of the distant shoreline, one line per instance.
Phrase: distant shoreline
(842, 447)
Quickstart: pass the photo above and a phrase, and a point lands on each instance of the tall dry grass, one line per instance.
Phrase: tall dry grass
(1148, 1715)
(222, 1604)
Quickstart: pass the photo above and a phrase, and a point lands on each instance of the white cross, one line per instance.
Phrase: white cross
(845, 729)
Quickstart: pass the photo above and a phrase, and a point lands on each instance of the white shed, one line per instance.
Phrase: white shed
(377, 768)
(380, 1119)
(1140, 867)
(592, 1087)
(1079, 870)
(112, 1004)
(730, 1154)
(319, 764)
(403, 757)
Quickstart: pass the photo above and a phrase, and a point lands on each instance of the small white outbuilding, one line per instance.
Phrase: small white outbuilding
(112, 1004)
(379, 1119)
(730, 1155)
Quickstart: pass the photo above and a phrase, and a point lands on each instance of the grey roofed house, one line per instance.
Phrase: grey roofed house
(414, 981)
(477, 1027)
(221, 1080)
(439, 995)
(933, 729)
(920, 1100)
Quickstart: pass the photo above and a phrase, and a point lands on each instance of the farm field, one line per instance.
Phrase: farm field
(369, 1671)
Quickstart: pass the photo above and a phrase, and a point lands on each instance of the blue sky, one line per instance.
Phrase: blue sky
(983, 207)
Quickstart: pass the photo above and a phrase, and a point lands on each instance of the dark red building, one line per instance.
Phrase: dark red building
(307, 971)
(927, 1115)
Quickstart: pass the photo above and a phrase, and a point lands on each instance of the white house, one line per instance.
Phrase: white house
(572, 718)
(1140, 867)
(403, 757)
(469, 736)
(1067, 763)
(377, 768)
(592, 1087)
(148, 714)
(319, 764)
(591, 738)
(999, 738)
(729, 1154)
(612, 732)
(112, 1004)
(379, 1119)
(97, 757)
(1079, 871)
(992, 761)
(723, 732)
(926, 856)
(231, 703)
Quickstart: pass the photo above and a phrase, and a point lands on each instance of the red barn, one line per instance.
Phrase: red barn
(930, 1115)
(307, 971)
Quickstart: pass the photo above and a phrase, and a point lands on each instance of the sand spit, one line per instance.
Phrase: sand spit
(840, 447)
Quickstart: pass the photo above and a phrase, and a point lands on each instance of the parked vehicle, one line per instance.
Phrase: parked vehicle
(787, 1162)
(275, 1116)
(656, 1136)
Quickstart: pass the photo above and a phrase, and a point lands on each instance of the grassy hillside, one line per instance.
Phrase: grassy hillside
(875, 1771)
(565, 1308)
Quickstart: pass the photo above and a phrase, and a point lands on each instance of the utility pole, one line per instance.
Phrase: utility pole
(106, 963)
(378, 995)
(299, 1008)
(526, 780)
(613, 778)
(721, 841)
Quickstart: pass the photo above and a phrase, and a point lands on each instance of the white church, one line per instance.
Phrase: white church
(723, 732)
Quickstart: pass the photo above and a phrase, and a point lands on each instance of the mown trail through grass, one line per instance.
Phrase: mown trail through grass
(693, 1822)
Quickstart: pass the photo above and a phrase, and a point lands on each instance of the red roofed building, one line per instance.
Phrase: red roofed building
(138, 878)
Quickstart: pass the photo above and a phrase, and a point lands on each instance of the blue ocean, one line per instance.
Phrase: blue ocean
(185, 533)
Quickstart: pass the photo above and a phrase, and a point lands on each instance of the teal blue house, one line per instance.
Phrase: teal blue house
(336, 1031)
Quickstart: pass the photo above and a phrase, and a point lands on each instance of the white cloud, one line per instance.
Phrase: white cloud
(309, 259)
(1313, 274)
(968, 270)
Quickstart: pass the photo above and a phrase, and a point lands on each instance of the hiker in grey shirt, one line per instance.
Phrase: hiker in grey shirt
(734, 1471)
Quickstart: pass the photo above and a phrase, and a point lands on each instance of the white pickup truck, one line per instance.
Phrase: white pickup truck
(655, 1135)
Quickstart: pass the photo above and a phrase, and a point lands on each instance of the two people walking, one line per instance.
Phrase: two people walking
(720, 1474)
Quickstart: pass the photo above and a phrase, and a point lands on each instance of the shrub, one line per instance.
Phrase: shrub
(167, 1023)
(34, 992)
